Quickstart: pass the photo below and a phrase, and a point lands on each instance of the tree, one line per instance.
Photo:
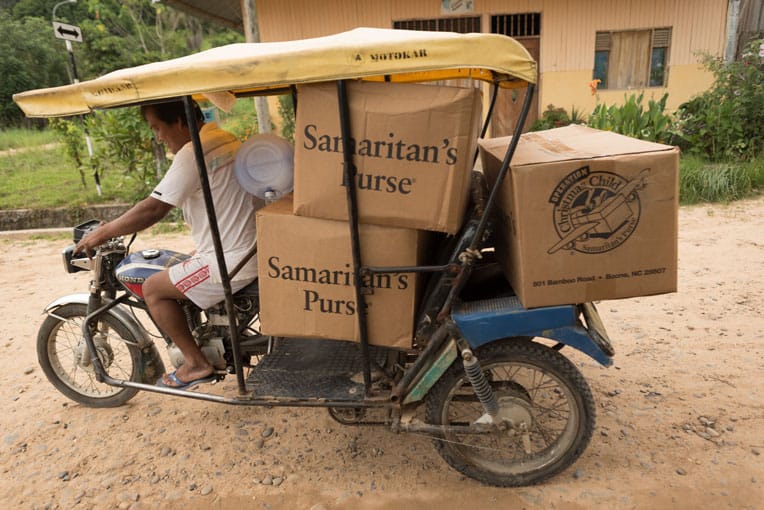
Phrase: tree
(116, 34)
(252, 34)
(30, 60)
(43, 9)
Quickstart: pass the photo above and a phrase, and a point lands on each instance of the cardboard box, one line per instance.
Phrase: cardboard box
(305, 268)
(413, 145)
(585, 215)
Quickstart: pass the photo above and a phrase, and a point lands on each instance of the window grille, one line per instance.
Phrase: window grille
(517, 25)
(460, 25)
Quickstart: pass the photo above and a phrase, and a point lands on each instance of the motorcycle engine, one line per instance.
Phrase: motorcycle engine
(212, 348)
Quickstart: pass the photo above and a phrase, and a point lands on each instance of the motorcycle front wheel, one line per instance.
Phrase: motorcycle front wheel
(65, 359)
(544, 396)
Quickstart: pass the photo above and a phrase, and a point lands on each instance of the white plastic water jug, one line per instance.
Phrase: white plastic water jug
(264, 166)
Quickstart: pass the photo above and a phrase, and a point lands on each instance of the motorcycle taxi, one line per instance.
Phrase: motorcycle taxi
(484, 376)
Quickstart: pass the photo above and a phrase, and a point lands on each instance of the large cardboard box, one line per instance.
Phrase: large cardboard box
(586, 215)
(305, 270)
(413, 145)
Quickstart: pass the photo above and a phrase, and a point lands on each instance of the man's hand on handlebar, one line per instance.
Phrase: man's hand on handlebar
(91, 241)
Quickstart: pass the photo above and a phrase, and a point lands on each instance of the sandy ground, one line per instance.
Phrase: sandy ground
(680, 414)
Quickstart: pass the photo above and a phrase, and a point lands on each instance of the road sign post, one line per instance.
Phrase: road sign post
(67, 32)
(71, 33)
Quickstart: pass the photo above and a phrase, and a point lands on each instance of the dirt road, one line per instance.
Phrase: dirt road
(680, 415)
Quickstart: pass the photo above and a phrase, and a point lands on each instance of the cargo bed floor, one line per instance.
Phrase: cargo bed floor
(310, 369)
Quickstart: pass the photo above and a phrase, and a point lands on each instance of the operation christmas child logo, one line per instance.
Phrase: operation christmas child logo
(595, 212)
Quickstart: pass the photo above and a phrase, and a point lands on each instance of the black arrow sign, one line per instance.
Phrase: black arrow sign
(72, 33)
(67, 32)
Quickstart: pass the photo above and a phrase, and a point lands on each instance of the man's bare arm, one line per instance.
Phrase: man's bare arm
(142, 215)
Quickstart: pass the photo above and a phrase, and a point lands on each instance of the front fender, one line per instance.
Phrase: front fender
(151, 363)
(484, 321)
(120, 313)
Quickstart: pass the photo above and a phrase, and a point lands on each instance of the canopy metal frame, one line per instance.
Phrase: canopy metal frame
(443, 331)
(359, 269)
(276, 68)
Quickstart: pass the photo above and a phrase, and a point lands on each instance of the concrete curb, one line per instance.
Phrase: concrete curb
(60, 217)
(33, 232)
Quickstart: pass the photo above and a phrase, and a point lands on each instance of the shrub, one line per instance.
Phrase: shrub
(125, 145)
(286, 110)
(551, 118)
(631, 118)
(557, 117)
(72, 137)
(726, 121)
(124, 148)
(241, 121)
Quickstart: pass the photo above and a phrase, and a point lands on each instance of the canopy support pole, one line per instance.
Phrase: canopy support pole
(488, 117)
(215, 232)
(472, 250)
(349, 176)
(504, 165)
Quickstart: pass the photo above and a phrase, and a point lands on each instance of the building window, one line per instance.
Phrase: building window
(517, 25)
(632, 58)
(460, 25)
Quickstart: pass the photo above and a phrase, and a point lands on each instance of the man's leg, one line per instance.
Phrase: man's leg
(162, 297)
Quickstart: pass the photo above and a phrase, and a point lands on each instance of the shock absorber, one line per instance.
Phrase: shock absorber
(480, 384)
(189, 314)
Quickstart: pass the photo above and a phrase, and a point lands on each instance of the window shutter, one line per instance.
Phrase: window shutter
(602, 41)
(661, 38)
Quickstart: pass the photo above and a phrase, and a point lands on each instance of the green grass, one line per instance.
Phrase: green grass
(14, 138)
(46, 178)
(51, 236)
(701, 181)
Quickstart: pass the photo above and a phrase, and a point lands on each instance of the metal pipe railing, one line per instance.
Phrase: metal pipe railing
(215, 233)
(349, 170)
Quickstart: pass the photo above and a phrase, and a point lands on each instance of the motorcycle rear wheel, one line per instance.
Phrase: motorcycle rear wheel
(64, 358)
(534, 385)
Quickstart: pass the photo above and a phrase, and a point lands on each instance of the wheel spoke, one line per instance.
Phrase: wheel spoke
(536, 388)
(62, 349)
(551, 411)
(546, 436)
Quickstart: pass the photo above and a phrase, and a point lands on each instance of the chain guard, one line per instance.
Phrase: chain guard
(360, 415)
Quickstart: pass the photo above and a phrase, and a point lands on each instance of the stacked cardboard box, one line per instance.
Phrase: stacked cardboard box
(413, 146)
(585, 215)
(307, 284)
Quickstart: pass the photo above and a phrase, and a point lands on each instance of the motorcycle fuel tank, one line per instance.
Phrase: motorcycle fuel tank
(138, 266)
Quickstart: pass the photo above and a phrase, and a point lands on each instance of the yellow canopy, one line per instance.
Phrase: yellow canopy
(363, 53)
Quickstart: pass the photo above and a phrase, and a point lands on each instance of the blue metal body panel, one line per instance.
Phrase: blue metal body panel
(484, 321)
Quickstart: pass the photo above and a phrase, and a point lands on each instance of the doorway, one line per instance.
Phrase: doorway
(525, 29)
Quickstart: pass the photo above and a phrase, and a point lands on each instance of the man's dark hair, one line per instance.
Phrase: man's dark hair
(170, 112)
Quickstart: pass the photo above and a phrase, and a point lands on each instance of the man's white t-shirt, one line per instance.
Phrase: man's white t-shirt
(234, 208)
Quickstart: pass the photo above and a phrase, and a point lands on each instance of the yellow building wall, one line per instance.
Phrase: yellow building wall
(570, 89)
(568, 29)
(567, 47)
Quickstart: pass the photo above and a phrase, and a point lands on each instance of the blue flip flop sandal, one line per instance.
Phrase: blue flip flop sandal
(184, 385)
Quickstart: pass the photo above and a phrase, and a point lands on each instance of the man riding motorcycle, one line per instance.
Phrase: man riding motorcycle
(198, 278)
